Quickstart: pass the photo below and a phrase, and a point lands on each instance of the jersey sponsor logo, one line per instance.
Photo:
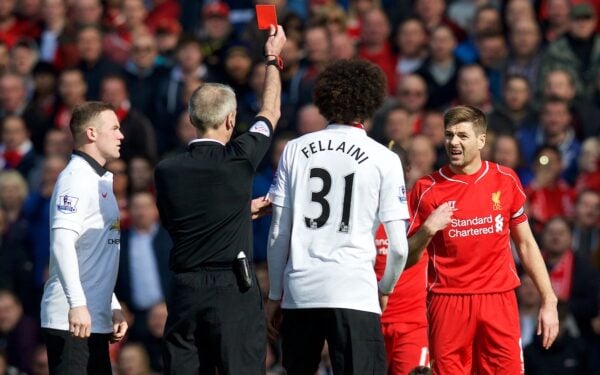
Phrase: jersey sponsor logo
(261, 127)
(496, 206)
(114, 241)
(402, 196)
(67, 204)
(382, 244)
(476, 226)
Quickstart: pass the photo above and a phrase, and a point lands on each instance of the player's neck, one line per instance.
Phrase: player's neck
(93, 152)
(467, 169)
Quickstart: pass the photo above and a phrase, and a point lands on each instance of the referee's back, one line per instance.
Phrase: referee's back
(203, 197)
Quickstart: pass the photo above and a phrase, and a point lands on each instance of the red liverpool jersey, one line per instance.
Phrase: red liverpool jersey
(472, 255)
(406, 304)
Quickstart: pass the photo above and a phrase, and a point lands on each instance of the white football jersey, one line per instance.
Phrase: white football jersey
(340, 184)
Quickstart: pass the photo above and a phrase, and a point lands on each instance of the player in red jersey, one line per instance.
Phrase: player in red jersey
(472, 308)
(404, 319)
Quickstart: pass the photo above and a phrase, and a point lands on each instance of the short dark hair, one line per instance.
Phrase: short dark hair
(466, 113)
(349, 90)
(84, 114)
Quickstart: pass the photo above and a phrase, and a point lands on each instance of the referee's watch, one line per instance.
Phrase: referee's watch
(276, 62)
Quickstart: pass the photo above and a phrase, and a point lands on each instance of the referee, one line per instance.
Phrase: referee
(215, 309)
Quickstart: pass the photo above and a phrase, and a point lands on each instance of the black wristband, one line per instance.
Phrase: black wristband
(277, 62)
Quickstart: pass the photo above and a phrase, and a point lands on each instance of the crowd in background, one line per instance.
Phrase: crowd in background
(532, 66)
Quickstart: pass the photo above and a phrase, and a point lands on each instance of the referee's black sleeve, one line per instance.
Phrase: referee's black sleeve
(255, 143)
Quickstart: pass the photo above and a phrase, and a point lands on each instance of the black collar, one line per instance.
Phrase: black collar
(92, 162)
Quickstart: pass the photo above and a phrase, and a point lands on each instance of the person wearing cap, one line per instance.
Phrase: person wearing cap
(578, 51)
(216, 318)
(216, 34)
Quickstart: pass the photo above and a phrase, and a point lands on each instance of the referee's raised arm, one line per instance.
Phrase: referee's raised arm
(271, 97)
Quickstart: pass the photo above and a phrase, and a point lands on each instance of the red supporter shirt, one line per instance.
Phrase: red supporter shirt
(406, 304)
(472, 255)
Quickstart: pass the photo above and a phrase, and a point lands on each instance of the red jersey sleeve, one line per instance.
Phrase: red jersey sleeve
(517, 209)
(416, 208)
(381, 245)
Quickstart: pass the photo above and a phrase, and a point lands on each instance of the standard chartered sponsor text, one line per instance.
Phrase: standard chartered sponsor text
(475, 226)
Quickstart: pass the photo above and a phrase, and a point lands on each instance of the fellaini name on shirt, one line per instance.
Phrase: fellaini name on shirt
(476, 226)
(329, 145)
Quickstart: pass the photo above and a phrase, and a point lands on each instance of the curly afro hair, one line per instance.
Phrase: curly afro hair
(349, 90)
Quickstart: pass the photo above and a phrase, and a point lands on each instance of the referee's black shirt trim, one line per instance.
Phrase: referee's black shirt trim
(194, 143)
(100, 170)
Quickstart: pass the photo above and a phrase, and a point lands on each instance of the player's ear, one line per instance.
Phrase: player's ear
(481, 141)
(91, 133)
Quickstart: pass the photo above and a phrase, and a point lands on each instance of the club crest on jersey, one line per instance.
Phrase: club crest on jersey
(402, 196)
(116, 225)
(452, 205)
(496, 206)
(67, 204)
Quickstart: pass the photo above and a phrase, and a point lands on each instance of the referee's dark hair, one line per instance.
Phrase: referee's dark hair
(210, 104)
(84, 114)
(349, 90)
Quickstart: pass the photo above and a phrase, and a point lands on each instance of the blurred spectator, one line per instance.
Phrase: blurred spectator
(237, 64)
(487, 19)
(518, 10)
(133, 360)
(421, 154)
(44, 101)
(433, 14)
(93, 64)
(144, 276)
(578, 51)
(185, 133)
(317, 50)
(397, 126)
(161, 10)
(121, 189)
(515, 111)
(36, 211)
(573, 278)
(143, 74)
(473, 88)
(23, 57)
(343, 47)
(586, 223)
(117, 42)
(589, 166)
(505, 151)
(357, 9)
(375, 46)
(13, 191)
(310, 120)
(525, 54)
(16, 271)
(57, 41)
(249, 103)
(4, 58)
(411, 41)
(39, 366)
(167, 33)
(16, 147)
(555, 129)
(141, 175)
(412, 94)
(567, 356)
(293, 71)
(13, 28)
(433, 128)
(153, 341)
(87, 13)
(492, 57)
(189, 67)
(440, 70)
(549, 195)
(140, 139)
(333, 16)
(13, 94)
(559, 84)
(529, 304)
(71, 90)
(19, 334)
(463, 11)
(216, 34)
(558, 21)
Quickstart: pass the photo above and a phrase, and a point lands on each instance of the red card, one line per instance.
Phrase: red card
(266, 16)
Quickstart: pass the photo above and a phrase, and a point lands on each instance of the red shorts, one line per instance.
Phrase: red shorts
(405, 346)
(475, 333)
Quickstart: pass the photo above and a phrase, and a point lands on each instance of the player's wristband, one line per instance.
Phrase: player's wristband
(277, 62)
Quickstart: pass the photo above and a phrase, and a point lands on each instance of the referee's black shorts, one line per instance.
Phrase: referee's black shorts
(354, 340)
(212, 323)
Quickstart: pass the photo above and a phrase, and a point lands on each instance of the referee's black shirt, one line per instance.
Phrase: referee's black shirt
(203, 197)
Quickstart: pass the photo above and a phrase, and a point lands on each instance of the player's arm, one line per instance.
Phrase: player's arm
(278, 250)
(533, 263)
(396, 256)
(62, 249)
(418, 241)
(271, 97)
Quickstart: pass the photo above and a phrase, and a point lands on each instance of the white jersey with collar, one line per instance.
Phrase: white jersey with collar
(340, 184)
(84, 202)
